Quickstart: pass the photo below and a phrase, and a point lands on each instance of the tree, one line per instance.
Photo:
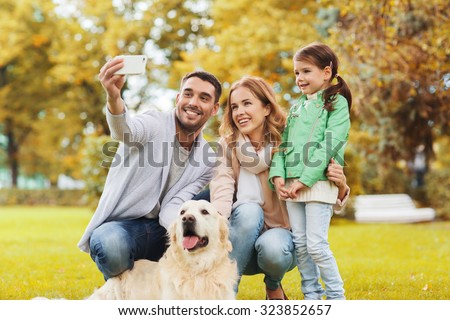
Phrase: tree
(52, 53)
(23, 69)
(258, 41)
(394, 55)
(398, 56)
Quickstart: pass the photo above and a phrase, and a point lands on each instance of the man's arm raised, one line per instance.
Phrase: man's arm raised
(112, 84)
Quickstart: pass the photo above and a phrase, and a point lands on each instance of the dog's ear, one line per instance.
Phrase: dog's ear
(224, 233)
(173, 232)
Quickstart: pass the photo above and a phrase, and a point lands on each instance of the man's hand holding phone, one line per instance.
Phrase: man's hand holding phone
(133, 64)
(112, 78)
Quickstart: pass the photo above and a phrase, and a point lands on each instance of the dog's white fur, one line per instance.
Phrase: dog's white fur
(204, 273)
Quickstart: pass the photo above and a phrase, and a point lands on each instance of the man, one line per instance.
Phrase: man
(160, 163)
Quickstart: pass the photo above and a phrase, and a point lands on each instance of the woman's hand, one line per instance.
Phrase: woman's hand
(336, 174)
(280, 188)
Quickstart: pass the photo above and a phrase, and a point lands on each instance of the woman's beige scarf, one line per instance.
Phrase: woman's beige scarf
(275, 214)
(250, 159)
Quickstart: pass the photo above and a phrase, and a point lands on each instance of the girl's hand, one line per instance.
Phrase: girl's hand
(280, 188)
(295, 188)
(336, 174)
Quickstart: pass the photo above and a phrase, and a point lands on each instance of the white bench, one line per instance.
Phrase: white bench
(390, 208)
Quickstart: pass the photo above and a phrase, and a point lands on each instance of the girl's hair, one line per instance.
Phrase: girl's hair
(275, 121)
(322, 56)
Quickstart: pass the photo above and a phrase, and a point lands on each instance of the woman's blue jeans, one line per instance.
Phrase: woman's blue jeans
(255, 250)
(270, 252)
(115, 245)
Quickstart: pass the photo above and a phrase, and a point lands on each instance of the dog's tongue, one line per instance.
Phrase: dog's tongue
(190, 242)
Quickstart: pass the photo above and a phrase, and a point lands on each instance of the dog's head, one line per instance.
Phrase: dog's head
(199, 226)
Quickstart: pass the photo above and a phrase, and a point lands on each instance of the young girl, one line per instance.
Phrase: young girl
(316, 133)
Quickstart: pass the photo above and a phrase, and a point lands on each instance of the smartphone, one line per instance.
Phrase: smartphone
(133, 64)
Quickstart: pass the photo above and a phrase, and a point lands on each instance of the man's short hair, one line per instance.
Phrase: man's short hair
(206, 76)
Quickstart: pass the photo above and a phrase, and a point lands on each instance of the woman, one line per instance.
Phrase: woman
(259, 226)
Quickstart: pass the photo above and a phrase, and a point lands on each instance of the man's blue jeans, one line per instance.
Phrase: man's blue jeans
(115, 245)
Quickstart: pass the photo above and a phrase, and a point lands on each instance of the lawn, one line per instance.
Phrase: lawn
(39, 257)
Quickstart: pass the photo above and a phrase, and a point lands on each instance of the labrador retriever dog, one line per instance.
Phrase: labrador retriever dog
(196, 264)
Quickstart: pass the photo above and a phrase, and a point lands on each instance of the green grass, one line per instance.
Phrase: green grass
(39, 257)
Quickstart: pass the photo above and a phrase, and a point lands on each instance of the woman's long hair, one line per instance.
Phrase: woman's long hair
(322, 56)
(275, 121)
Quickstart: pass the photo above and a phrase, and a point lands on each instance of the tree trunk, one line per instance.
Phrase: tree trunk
(13, 150)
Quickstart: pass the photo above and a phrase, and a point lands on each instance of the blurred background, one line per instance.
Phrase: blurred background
(395, 56)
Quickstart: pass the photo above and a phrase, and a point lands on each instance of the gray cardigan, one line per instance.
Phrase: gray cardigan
(141, 167)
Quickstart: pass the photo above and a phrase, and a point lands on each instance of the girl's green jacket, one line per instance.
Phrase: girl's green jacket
(311, 138)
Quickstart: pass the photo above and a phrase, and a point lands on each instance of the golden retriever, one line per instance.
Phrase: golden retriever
(196, 264)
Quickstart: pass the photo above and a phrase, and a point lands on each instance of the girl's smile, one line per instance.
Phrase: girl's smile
(309, 78)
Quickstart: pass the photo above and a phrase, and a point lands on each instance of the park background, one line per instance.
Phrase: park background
(395, 56)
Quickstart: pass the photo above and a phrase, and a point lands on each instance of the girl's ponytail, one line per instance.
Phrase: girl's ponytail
(330, 93)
